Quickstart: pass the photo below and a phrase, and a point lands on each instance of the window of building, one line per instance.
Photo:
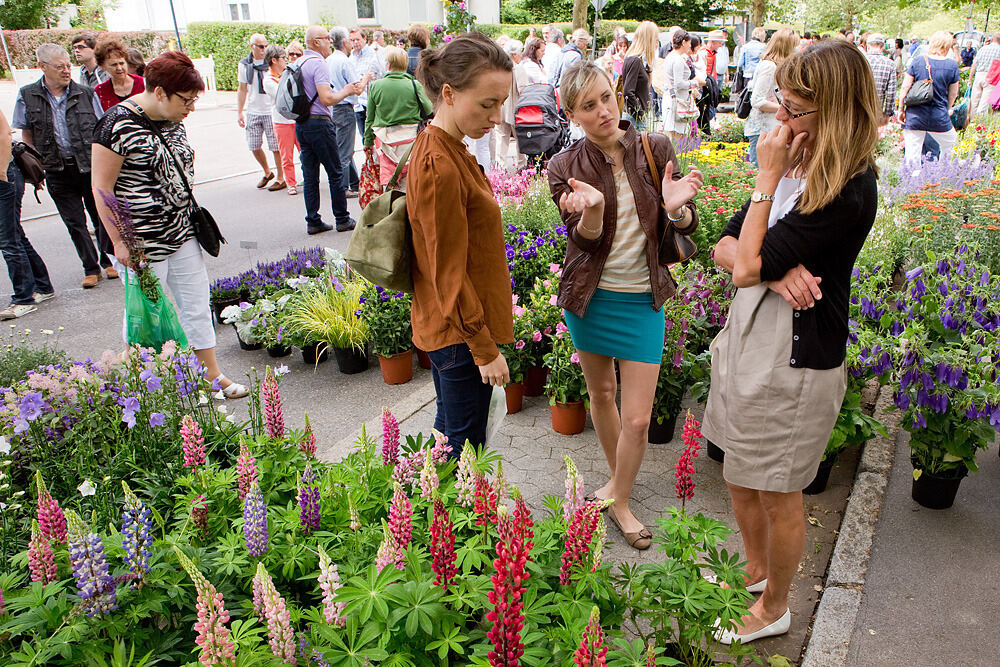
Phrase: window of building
(366, 10)
(239, 11)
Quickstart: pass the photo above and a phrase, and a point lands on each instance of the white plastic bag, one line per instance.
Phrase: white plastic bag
(498, 410)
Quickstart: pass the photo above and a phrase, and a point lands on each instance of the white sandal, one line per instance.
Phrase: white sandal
(234, 390)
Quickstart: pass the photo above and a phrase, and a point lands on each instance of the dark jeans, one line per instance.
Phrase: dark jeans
(26, 269)
(343, 121)
(318, 145)
(70, 190)
(463, 400)
(359, 116)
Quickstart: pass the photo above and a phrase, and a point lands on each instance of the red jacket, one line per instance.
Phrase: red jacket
(106, 91)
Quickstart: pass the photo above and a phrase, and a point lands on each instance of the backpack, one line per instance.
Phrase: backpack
(291, 100)
(381, 247)
(29, 162)
(539, 128)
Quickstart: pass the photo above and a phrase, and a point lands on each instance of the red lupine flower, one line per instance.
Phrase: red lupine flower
(513, 550)
(442, 546)
(485, 501)
(192, 442)
(274, 417)
(592, 651)
(51, 519)
(685, 465)
(579, 535)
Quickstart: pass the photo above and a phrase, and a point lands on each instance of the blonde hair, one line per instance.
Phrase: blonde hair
(836, 77)
(645, 42)
(577, 79)
(781, 45)
(395, 58)
(940, 43)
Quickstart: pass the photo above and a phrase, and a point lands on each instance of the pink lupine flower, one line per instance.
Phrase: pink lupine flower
(465, 477)
(389, 552)
(41, 561)
(279, 625)
(274, 417)
(51, 519)
(400, 522)
(246, 471)
(593, 651)
(428, 478)
(192, 442)
(390, 437)
(579, 534)
(213, 638)
(441, 449)
(574, 491)
(329, 582)
(308, 444)
(684, 487)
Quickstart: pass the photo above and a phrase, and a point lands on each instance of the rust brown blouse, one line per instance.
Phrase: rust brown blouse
(461, 283)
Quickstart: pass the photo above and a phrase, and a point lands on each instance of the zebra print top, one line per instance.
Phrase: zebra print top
(148, 181)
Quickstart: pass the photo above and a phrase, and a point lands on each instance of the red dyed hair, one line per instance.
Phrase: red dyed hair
(173, 72)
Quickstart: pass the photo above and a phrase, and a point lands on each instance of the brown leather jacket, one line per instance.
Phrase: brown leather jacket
(585, 258)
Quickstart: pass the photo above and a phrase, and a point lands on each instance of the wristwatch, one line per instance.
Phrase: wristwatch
(758, 197)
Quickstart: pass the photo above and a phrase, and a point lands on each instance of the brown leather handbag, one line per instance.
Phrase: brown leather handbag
(674, 246)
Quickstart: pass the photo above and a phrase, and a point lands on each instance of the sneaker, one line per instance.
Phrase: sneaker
(40, 298)
(15, 310)
(346, 226)
(90, 281)
(318, 229)
(351, 194)
(111, 273)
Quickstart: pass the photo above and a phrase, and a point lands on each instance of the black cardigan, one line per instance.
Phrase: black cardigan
(635, 86)
(827, 243)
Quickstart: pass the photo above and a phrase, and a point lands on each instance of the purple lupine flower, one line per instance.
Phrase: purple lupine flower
(94, 583)
(136, 533)
(308, 498)
(255, 522)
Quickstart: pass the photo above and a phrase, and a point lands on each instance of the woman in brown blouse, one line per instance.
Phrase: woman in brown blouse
(462, 297)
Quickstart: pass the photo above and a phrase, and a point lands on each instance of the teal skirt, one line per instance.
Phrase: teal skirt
(622, 325)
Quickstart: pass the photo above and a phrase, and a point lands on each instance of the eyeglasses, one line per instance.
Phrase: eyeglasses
(784, 106)
(188, 101)
(66, 67)
(259, 46)
(294, 54)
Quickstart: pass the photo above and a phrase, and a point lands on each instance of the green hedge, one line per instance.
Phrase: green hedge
(22, 43)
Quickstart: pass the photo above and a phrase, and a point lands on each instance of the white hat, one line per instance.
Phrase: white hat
(716, 36)
(580, 33)
(876, 38)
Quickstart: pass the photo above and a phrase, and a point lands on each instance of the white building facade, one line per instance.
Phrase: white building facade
(129, 15)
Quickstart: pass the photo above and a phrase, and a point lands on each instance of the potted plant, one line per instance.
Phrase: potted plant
(674, 377)
(243, 318)
(542, 316)
(566, 386)
(387, 315)
(224, 292)
(518, 355)
(270, 327)
(327, 311)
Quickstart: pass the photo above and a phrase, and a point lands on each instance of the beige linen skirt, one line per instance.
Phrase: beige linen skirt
(772, 420)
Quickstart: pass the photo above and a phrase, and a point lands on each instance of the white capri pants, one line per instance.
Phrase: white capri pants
(185, 274)
(913, 142)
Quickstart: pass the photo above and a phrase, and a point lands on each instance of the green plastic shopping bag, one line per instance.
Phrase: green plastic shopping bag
(150, 322)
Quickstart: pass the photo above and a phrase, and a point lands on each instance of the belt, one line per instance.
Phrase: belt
(320, 116)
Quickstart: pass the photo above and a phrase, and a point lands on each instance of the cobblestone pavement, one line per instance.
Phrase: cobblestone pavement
(533, 461)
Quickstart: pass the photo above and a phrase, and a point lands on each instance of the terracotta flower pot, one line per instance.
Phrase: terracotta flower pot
(515, 397)
(568, 418)
(534, 380)
(397, 369)
(423, 359)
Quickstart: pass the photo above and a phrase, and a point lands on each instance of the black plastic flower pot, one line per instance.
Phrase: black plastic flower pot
(315, 353)
(247, 346)
(660, 434)
(220, 305)
(822, 478)
(278, 351)
(715, 452)
(351, 360)
(937, 492)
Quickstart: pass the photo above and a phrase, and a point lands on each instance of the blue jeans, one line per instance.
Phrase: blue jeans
(752, 150)
(318, 145)
(344, 122)
(26, 269)
(463, 400)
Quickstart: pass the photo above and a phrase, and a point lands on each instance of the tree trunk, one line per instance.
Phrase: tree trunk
(758, 12)
(579, 15)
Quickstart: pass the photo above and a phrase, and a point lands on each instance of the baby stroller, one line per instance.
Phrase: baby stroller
(541, 130)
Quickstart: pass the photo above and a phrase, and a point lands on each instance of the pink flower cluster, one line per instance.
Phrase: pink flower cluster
(192, 442)
(429, 480)
(51, 519)
(308, 444)
(485, 500)
(41, 561)
(274, 418)
(199, 513)
(329, 582)
(579, 534)
(246, 471)
(465, 477)
(390, 438)
(684, 486)
(279, 625)
(398, 532)
(213, 638)
(593, 651)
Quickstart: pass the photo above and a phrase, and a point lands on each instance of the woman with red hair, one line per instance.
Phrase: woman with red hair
(112, 57)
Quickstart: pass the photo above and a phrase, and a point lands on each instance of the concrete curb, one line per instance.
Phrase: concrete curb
(841, 600)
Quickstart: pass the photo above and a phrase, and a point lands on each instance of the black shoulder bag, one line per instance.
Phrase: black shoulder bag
(206, 230)
(424, 117)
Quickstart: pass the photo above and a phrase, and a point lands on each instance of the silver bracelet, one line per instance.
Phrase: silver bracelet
(673, 219)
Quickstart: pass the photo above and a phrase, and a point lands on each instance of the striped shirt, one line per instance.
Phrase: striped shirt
(626, 269)
(986, 56)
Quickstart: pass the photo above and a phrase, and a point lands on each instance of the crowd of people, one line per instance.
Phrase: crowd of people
(450, 113)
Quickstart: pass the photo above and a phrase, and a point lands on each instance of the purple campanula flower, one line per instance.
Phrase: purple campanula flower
(919, 421)
(156, 419)
(31, 406)
(152, 381)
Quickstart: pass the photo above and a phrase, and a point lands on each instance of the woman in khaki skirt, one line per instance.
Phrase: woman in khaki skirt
(778, 375)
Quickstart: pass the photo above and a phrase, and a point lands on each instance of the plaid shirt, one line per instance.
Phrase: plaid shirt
(986, 56)
(885, 81)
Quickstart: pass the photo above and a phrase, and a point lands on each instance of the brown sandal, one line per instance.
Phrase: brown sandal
(639, 540)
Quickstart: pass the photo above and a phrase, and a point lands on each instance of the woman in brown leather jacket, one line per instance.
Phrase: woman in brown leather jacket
(613, 286)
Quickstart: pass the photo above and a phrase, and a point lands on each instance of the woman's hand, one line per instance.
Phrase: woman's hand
(496, 372)
(122, 255)
(583, 197)
(798, 287)
(901, 115)
(777, 153)
(677, 193)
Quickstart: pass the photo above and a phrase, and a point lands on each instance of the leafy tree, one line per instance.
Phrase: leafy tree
(28, 14)
(686, 13)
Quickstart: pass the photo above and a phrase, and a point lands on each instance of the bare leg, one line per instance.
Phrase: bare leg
(261, 158)
(752, 520)
(638, 387)
(602, 388)
(211, 364)
(277, 167)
